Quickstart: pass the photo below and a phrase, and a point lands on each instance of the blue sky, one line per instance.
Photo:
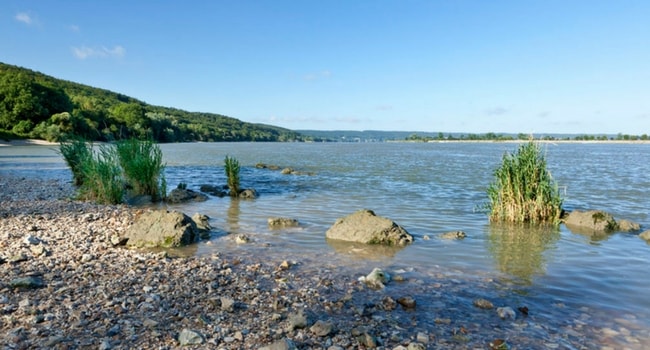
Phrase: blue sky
(453, 66)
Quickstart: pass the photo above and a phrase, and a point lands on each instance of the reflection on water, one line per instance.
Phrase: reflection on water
(518, 250)
(234, 212)
(364, 251)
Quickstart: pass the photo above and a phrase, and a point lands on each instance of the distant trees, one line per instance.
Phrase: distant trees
(38, 106)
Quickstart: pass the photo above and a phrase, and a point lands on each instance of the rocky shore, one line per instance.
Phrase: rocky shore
(64, 285)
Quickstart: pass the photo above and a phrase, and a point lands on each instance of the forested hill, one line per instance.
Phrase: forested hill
(39, 106)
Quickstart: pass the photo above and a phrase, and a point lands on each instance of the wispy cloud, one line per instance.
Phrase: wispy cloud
(85, 52)
(384, 108)
(543, 115)
(75, 28)
(317, 75)
(24, 17)
(496, 111)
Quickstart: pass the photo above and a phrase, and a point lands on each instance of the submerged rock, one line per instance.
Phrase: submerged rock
(365, 227)
(376, 279)
(282, 222)
(181, 195)
(453, 235)
(645, 235)
(597, 222)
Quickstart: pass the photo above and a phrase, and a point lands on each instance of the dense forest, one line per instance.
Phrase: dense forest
(38, 106)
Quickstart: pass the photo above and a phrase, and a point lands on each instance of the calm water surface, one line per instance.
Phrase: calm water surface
(428, 188)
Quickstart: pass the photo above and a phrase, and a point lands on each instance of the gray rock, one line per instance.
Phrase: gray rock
(415, 346)
(29, 239)
(422, 337)
(377, 278)
(227, 304)
(297, 320)
(29, 282)
(161, 228)
(506, 312)
(407, 302)
(483, 304)
(282, 344)
(365, 227)
(321, 328)
(202, 224)
(213, 190)
(282, 222)
(181, 195)
(190, 337)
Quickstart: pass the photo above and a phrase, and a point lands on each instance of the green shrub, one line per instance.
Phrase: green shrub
(143, 167)
(76, 152)
(232, 172)
(523, 189)
(102, 177)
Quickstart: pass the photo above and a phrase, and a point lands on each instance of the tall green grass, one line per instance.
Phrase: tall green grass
(523, 189)
(76, 152)
(143, 167)
(102, 177)
(232, 173)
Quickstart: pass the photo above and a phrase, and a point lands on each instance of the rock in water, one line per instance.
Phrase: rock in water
(364, 226)
(376, 279)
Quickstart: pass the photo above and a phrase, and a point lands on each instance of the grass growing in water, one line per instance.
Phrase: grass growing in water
(102, 177)
(232, 172)
(523, 189)
(143, 167)
(76, 152)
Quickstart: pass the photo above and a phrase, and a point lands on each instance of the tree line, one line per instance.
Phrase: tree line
(38, 106)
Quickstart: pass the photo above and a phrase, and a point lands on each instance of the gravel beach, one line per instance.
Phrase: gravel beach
(64, 285)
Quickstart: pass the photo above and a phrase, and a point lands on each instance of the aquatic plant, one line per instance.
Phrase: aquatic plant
(523, 189)
(143, 167)
(232, 172)
(76, 152)
(102, 177)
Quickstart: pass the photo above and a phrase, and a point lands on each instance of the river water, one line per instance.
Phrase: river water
(429, 189)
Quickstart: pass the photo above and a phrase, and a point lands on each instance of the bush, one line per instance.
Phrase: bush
(232, 172)
(143, 167)
(102, 177)
(523, 190)
(76, 152)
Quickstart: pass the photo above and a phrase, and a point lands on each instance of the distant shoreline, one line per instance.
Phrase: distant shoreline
(36, 142)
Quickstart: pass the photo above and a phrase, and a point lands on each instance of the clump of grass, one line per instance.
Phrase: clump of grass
(232, 173)
(523, 190)
(102, 177)
(76, 152)
(143, 167)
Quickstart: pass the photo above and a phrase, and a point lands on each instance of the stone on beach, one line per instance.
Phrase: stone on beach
(162, 228)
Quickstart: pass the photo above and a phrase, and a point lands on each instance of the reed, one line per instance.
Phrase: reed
(232, 173)
(102, 177)
(76, 152)
(523, 189)
(143, 167)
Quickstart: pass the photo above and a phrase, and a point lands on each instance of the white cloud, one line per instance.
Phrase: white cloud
(74, 27)
(24, 17)
(84, 52)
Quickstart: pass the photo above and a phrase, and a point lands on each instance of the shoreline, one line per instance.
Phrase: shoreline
(93, 294)
(36, 142)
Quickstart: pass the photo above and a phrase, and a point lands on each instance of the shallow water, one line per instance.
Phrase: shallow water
(428, 188)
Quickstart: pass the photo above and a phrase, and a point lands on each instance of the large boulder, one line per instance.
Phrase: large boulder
(162, 228)
(597, 222)
(365, 227)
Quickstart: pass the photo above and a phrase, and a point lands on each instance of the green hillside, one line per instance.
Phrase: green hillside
(39, 106)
